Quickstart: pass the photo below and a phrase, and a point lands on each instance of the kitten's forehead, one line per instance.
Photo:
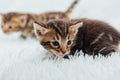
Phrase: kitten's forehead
(59, 26)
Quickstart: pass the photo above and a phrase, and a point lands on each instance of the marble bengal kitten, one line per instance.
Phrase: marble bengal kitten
(93, 37)
(13, 22)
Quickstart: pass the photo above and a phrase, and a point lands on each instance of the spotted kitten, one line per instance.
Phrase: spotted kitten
(14, 22)
(93, 37)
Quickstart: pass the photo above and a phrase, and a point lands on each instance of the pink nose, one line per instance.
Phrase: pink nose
(63, 52)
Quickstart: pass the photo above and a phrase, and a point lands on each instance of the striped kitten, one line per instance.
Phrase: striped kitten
(14, 22)
(93, 37)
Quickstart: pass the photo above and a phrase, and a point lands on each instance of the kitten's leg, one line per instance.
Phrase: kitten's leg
(107, 51)
(101, 49)
(32, 34)
(27, 32)
(23, 36)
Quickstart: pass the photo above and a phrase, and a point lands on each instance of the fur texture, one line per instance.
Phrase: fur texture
(13, 22)
(65, 37)
(96, 37)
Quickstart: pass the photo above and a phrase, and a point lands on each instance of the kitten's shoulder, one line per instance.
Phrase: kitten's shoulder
(92, 23)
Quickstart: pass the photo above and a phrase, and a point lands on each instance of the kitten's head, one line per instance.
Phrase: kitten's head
(12, 22)
(57, 36)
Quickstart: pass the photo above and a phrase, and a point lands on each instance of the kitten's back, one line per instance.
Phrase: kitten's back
(99, 37)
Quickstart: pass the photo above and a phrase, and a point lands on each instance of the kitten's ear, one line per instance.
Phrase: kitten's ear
(39, 29)
(77, 25)
(22, 20)
(74, 27)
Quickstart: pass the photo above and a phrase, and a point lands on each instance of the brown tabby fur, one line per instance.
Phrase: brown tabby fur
(93, 37)
(23, 22)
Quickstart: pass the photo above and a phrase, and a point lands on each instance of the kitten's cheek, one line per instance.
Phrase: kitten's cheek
(6, 31)
(67, 52)
(53, 52)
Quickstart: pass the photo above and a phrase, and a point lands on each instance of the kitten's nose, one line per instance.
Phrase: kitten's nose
(63, 52)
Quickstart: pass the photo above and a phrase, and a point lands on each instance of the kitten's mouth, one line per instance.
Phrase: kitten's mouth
(62, 54)
(7, 32)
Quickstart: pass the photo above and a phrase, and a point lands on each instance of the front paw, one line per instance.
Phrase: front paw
(23, 37)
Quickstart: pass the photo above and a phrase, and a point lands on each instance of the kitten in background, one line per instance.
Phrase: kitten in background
(14, 22)
(63, 38)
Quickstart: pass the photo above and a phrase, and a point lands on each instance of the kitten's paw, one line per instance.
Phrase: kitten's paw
(23, 37)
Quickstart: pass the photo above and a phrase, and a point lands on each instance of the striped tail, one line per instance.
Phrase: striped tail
(70, 9)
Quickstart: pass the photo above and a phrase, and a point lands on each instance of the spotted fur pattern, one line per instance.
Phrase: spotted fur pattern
(13, 22)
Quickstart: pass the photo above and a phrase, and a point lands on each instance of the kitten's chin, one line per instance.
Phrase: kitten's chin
(62, 55)
(7, 33)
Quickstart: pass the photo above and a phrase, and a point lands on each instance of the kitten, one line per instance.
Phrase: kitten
(93, 37)
(13, 22)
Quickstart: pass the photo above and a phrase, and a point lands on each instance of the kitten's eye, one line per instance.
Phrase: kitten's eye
(69, 42)
(55, 43)
(10, 27)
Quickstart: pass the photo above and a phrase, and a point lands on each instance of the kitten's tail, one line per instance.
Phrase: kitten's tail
(70, 9)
